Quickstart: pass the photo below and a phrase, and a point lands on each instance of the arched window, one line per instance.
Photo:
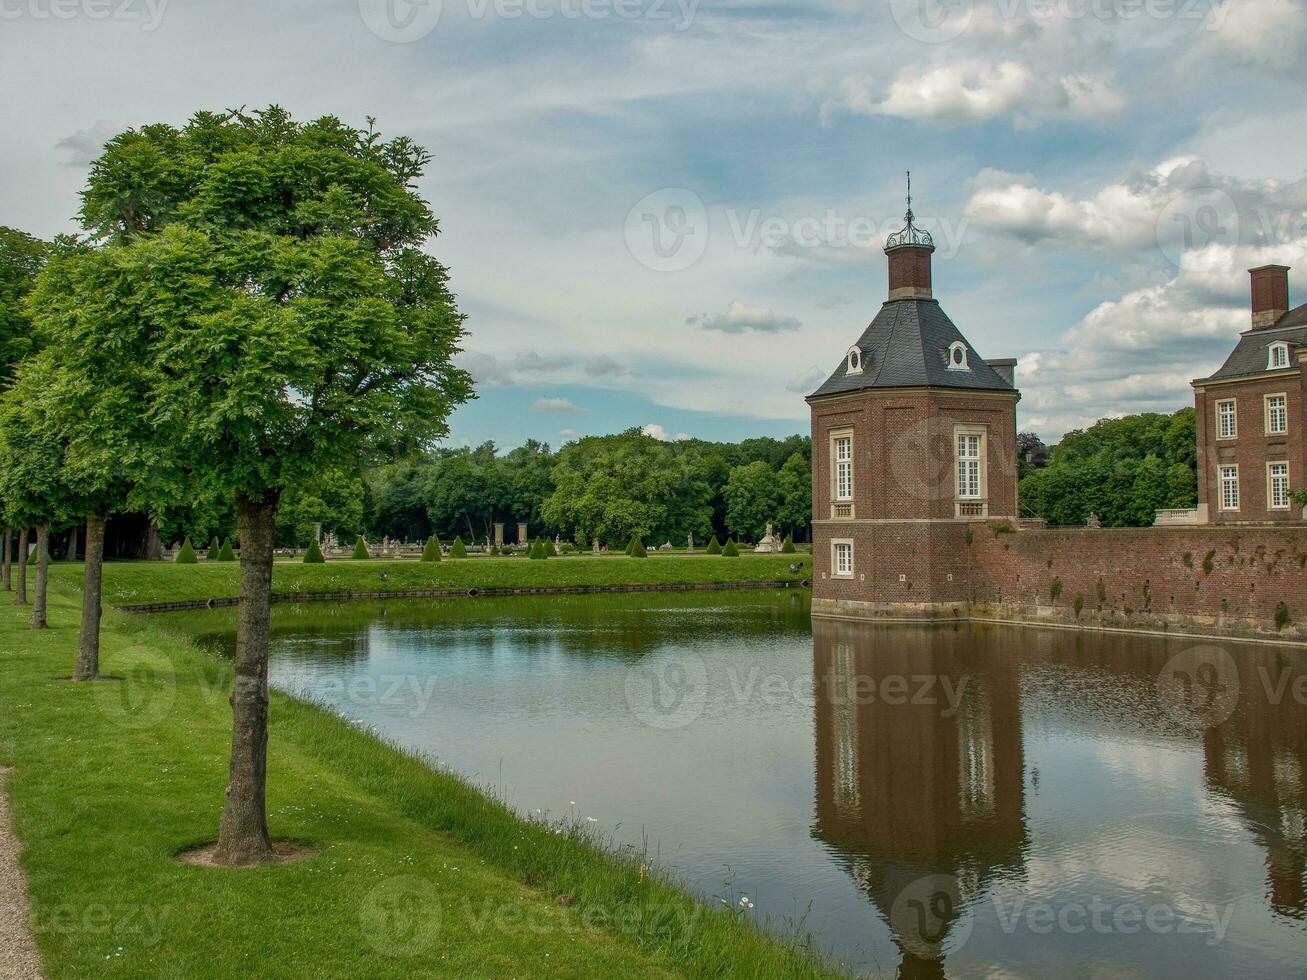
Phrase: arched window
(1278, 356)
(957, 357)
(855, 361)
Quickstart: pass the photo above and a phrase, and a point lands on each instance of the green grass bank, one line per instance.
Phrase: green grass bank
(133, 583)
(415, 873)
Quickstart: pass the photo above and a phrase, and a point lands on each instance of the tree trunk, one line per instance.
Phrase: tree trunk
(42, 576)
(153, 543)
(88, 642)
(21, 598)
(6, 561)
(243, 828)
(72, 545)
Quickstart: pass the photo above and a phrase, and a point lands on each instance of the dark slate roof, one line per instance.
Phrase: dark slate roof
(1252, 355)
(906, 346)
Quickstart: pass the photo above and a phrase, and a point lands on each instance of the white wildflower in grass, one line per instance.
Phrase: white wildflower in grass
(745, 903)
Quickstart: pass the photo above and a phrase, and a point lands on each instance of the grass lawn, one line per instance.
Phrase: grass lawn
(416, 873)
(146, 582)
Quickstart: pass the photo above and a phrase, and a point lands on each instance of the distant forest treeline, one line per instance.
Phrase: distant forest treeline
(614, 487)
(605, 487)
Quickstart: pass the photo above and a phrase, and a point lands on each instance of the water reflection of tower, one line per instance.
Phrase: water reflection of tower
(919, 788)
(1257, 759)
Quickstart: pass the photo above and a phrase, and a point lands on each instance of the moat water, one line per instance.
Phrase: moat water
(968, 801)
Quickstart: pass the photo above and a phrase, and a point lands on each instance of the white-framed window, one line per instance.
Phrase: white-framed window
(1277, 356)
(1229, 487)
(1277, 415)
(957, 357)
(970, 455)
(842, 455)
(854, 362)
(1277, 486)
(1227, 419)
(842, 559)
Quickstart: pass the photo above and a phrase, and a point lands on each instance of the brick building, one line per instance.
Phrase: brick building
(1250, 414)
(913, 442)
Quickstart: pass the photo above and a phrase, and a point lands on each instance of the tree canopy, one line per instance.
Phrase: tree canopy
(1123, 470)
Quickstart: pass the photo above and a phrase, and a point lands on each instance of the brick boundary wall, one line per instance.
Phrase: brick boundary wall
(1214, 580)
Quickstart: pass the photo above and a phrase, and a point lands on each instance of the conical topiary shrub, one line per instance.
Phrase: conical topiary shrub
(636, 548)
(537, 552)
(212, 553)
(731, 550)
(360, 550)
(432, 550)
(494, 551)
(314, 555)
(787, 548)
(186, 554)
(226, 552)
(550, 550)
(714, 547)
(457, 549)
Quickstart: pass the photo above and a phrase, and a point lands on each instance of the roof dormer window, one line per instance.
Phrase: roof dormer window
(855, 361)
(957, 357)
(1278, 356)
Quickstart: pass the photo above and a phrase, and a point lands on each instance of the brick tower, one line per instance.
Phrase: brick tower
(913, 443)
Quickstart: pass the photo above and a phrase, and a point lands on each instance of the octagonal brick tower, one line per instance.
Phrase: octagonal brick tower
(913, 445)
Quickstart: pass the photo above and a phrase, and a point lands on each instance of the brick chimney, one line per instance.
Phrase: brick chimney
(1270, 294)
(909, 253)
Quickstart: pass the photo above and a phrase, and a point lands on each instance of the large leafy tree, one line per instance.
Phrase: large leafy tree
(21, 259)
(292, 326)
(795, 479)
(88, 386)
(629, 485)
(753, 500)
(1121, 470)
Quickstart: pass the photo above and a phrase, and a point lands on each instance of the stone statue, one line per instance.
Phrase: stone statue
(689, 543)
(770, 544)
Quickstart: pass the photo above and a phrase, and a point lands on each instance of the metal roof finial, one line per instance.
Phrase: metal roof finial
(911, 235)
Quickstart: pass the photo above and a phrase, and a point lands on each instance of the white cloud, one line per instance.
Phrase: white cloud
(569, 435)
(1178, 206)
(975, 92)
(741, 317)
(1140, 352)
(559, 406)
(531, 367)
(803, 384)
(1264, 34)
(656, 431)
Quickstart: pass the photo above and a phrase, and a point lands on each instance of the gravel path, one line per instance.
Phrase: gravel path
(18, 956)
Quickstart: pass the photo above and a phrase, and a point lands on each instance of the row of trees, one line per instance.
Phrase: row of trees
(248, 310)
(1122, 470)
(611, 488)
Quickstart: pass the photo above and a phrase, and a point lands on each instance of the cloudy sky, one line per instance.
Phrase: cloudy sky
(669, 213)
